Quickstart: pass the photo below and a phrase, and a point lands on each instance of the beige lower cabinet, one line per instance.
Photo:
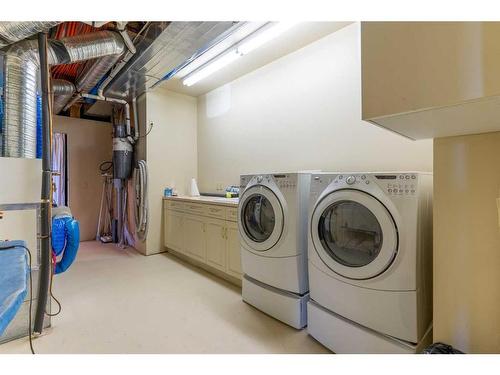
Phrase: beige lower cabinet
(173, 230)
(216, 243)
(194, 236)
(233, 250)
(207, 233)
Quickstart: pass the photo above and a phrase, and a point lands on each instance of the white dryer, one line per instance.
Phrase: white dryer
(370, 261)
(272, 221)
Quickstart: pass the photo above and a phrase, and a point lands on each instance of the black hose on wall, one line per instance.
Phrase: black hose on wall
(45, 211)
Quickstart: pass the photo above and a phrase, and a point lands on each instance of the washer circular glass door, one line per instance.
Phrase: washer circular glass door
(354, 234)
(260, 218)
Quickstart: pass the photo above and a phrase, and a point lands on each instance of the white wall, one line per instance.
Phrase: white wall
(171, 153)
(302, 111)
(20, 182)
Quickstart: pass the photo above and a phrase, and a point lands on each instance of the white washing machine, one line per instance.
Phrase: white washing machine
(370, 261)
(272, 221)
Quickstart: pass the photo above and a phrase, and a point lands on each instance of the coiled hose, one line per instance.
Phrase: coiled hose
(141, 200)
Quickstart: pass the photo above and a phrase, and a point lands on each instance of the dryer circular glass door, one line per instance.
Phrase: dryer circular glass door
(354, 234)
(260, 218)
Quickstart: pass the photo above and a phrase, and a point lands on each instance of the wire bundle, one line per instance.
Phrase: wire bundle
(141, 200)
(441, 348)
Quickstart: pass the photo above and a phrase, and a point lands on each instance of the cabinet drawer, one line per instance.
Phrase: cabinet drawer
(175, 205)
(195, 208)
(232, 214)
(218, 212)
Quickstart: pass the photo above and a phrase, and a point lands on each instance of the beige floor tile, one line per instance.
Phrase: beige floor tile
(118, 301)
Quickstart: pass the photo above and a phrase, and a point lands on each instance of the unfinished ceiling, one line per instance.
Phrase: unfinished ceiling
(293, 39)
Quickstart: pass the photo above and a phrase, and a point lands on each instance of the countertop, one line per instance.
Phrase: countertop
(232, 202)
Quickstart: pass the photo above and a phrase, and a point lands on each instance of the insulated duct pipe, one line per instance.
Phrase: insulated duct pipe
(131, 52)
(63, 91)
(94, 70)
(21, 64)
(45, 208)
(11, 32)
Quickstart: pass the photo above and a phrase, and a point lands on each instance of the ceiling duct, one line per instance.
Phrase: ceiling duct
(12, 32)
(164, 46)
(93, 71)
(63, 91)
(21, 66)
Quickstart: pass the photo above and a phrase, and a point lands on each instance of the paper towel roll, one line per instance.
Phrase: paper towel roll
(194, 192)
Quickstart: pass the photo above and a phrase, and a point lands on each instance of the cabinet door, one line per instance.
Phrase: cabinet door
(173, 230)
(233, 251)
(216, 243)
(194, 237)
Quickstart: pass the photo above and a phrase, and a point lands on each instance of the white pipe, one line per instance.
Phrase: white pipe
(136, 119)
(119, 101)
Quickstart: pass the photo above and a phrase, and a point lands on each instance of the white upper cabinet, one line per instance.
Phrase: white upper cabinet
(431, 79)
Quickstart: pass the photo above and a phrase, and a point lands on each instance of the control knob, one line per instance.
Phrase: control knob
(350, 180)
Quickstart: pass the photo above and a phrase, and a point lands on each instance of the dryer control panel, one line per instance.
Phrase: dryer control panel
(394, 184)
(402, 184)
(283, 181)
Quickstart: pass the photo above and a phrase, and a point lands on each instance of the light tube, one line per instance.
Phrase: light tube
(211, 67)
(263, 37)
(249, 44)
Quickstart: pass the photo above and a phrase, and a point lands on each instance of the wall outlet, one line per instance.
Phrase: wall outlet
(219, 187)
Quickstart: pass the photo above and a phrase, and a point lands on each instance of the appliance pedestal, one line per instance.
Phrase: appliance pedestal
(343, 336)
(290, 308)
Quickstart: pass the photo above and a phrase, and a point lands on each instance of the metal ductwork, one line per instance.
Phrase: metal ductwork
(63, 91)
(93, 45)
(164, 46)
(93, 71)
(21, 66)
(12, 32)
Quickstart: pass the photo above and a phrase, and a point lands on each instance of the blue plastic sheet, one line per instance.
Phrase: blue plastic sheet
(59, 235)
(14, 276)
(65, 241)
(72, 244)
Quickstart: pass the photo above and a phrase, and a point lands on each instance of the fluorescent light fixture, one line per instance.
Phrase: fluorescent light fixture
(246, 46)
(211, 67)
(263, 37)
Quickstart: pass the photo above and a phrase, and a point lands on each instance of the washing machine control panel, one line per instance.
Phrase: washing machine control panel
(394, 184)
(351, 179)
(401, 184)
(285, 181)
